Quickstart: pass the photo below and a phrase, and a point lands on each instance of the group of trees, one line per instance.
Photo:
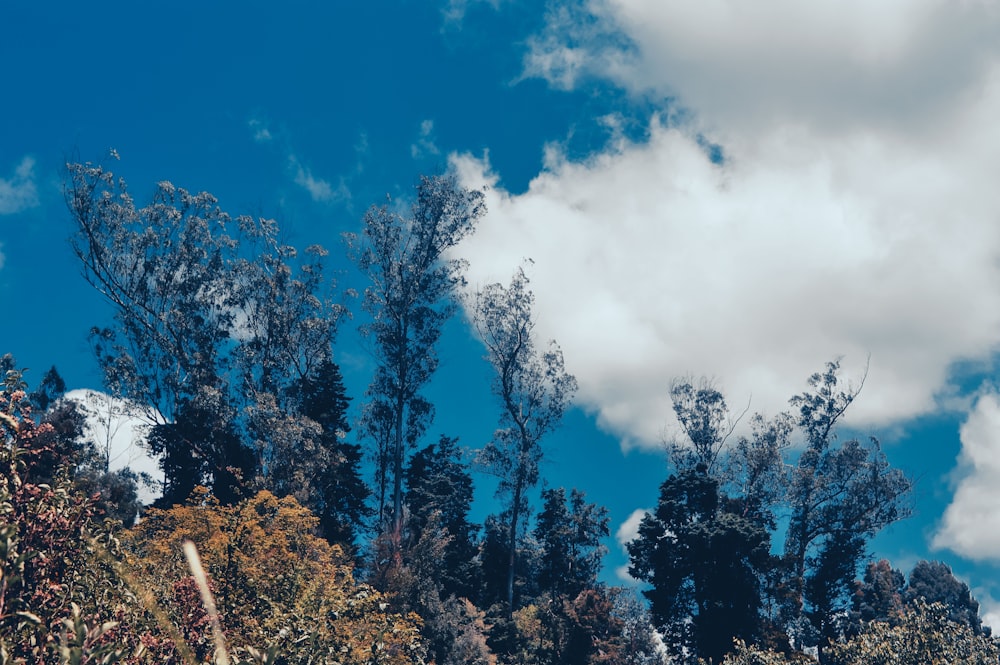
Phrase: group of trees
(759, 541)
(224, 339)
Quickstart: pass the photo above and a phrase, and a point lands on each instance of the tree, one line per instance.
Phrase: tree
(274, 581)
(879, 596)
(213, 316)
(639, 642)
(704, 562)
(439, 489)
(534, 391)
(923, 635)
(839, 495)
(410, 296)
(570, 539)
(341, 501)
(51, 388)
(934, 582)
(703, 416)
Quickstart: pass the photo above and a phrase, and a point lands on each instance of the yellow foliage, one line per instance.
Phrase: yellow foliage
(275, 581)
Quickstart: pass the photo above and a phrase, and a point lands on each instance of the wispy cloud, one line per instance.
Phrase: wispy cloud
(261, 132)
(454, 10)
(424, 146)
(843, 221)
(19, 192)
(320, 190)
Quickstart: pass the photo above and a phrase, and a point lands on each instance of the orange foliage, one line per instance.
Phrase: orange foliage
(275, 581)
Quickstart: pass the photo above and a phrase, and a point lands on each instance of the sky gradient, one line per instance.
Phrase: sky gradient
(743, 192)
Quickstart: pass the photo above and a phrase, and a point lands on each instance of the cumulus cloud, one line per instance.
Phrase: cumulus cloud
(119, 432)
(971, 523)
(320, 190)
(841, 222)
(19, 192)
(899, 63)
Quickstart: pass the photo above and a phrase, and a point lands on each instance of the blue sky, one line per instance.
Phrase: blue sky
(737, 191)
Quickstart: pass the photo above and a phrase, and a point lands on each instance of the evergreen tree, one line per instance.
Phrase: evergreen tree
(569, 537)
(439, 488)
(934, 582)
(342, 495)
(704, 563)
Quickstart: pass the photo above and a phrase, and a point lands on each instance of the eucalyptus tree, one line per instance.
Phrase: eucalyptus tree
(840, 494)
(214, 321)
(410, 296)
(534, 390)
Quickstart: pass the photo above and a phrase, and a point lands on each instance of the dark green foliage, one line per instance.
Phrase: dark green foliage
(494, 558)
(201, 447)
(50, 389)
(439, 488)
(569, 537)
(115, 493)
(341, 495)
(934, 582)
(828, 584)
(704, 563)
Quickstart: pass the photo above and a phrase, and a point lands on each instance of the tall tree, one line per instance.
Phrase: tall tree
(534, 389)
(410, 296)
(703, 416)
(838, 492)
(213, 316)
(569, 535)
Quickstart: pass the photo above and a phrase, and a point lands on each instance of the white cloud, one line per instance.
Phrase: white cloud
(320, 190)
(989, 609)
(898, 63)
(844, 220)
(424, 146)
(19, 192)
(971, 523)
(119, 432)
(626, 533)
(629, 529)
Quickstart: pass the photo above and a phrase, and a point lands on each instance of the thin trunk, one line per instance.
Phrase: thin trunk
(512, 547)
(397, 476)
